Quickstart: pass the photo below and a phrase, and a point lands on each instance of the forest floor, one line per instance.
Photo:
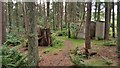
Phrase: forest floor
(61, 56)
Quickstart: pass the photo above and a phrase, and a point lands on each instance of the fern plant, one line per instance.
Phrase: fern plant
(11, 58)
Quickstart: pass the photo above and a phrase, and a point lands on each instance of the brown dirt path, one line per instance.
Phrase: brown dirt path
(60, 59)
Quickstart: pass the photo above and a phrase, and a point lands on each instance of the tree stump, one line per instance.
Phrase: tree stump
(44, 36)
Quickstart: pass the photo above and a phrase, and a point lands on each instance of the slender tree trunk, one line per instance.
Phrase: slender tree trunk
(40, 9)
(98, 18)
(32, 36)
(54, 16)
(65, 13)
(118, 30)
(44, 15)
(61, 14)
(36, 14)
(69, 19)
(58, 16)
(9, 16)
(107, 21)
(113, 22)
(4, 15)
(48, 13)
(87, 27)
(95, 11)
(17, 17)
(25, 18)
(0, 23)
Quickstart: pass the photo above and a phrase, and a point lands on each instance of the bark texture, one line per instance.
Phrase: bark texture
(87, 27)
(118, 30)
(32, 36)
(0, 23)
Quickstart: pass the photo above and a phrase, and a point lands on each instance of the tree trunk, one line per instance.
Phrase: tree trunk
(25, 18)
(44, 15)
(118, 30)
(0, 23)
(9, 17)
(69, 19)
(113, 22)
(32, 36)
(98, 18)
(107, 20)
(48, 14)
(65, 13)
(61, 14)
(54, 16)
(17, 17)
(58, 15)
(95, 10)
(87, 27)
(4, 15)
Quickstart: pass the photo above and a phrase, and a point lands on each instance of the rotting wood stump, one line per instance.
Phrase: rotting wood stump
(44, 36)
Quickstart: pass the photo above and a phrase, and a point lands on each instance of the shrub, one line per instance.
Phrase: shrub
(12, 40)
(62, 33)
(77, 60)
(56, 42)
(99, 38)
(108, 62)
(110, 43)
(77, 57)
(11, 58)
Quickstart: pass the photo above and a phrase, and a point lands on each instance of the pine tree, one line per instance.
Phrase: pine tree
(32, 36)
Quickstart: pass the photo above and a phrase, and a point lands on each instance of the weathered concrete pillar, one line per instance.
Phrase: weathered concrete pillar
(100, 29)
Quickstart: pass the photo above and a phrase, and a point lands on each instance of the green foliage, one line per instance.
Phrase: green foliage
(74, 30)
(77, 57)
(110, 43)
(12, 40)
(77, 60)
(46, 51)
(56, 42)
(62, 33)
(108, 62)
(11, 58)
(99, 38)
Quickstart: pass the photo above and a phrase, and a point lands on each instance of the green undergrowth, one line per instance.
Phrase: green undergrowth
(104, 43)
(11, 57)
(57, 44)
(98, 62)
(53, 49)
(75, 42)
(15, 40)
(80, 59)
